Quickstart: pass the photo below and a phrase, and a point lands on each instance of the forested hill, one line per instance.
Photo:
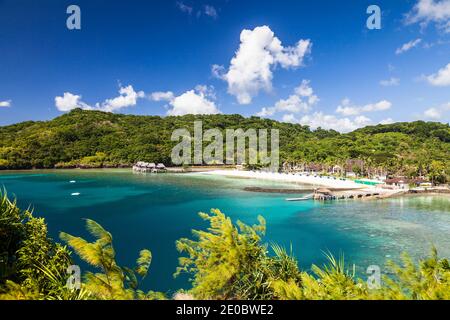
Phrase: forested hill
(98, 139)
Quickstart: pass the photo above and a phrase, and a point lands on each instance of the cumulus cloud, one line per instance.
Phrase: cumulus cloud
(352, 117)
(408, 46)
(69, 102)
(196, 101)
(127, 98)
(251, 69)
(302, 100)
(348, 109)
(5, 104)
(435, 11)
(324, 121)
(437, 113)
(390, 82)
(441, 78)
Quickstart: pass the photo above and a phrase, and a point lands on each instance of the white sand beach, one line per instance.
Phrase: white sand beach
(315, 180)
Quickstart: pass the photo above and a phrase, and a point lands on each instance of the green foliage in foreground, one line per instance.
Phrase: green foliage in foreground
(93, 139)
(29, 258)
(112, 282)
(230, 262)
(226, 261)
(34, 267)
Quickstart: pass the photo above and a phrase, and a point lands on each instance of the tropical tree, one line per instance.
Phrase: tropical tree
(113, 282)
(436, 171)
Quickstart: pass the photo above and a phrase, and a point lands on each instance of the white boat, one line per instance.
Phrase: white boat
(309, 197)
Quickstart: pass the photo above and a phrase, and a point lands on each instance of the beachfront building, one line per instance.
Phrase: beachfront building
(161, 167)
(404, 183)
(338, 170)
(351, 168)
(147, 167)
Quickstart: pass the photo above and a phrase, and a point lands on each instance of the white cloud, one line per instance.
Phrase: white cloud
(324, 121)
(437, 113)
(266, 112)
(211, 11)
(347, 109)
(292, 104)
(390, 82)
(432, 113)
(196, 101)
(192, 102)
(208, 91)
(5, 104)
(408, 46)
(301, 101)
(426, 11)
(218, 71)
(289, 118)
(70, 101)
(127, 98)
(441, 78)
(162, 96)
(259, 53)
(184, 8)
(351, 121)
(387, 121)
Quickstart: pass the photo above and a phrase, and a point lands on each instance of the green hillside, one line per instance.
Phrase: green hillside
(97, 139)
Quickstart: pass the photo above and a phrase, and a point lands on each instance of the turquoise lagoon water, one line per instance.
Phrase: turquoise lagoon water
(153, 211)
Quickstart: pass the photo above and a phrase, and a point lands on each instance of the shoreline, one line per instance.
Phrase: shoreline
(196, 169)
(389, 195)
(329, 182)
(339, 187)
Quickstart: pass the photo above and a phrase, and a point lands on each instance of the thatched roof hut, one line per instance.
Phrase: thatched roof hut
(324, 191)
(160, 166)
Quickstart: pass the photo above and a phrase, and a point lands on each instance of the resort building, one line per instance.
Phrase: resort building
(405, 183)
(149, 167)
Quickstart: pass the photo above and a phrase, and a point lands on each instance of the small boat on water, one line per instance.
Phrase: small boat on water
(309, 197)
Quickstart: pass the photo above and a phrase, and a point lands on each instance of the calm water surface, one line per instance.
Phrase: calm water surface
(153, 211)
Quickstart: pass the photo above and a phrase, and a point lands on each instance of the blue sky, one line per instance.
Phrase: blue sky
(174, 57)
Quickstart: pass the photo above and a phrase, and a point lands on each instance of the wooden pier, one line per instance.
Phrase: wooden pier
(323, 194)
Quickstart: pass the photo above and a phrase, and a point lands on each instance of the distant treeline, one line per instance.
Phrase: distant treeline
(91, 139)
